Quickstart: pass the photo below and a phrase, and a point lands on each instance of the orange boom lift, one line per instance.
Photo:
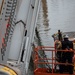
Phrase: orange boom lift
(49, 61)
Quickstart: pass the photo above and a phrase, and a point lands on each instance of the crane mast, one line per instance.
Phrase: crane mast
(18, 19)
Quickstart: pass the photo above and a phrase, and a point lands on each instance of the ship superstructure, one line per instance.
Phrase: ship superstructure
(17, 26)
(18, 20)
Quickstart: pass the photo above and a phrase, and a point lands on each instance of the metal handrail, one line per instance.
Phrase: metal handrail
(36, 57)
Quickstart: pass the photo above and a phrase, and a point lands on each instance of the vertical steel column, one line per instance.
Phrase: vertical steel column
(31, 34)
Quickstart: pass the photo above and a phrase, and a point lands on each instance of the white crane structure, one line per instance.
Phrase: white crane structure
(18, 19)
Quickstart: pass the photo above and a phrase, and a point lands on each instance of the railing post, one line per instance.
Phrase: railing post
(52, 61)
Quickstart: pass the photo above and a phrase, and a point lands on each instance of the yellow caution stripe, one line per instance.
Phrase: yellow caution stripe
(8, 70)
